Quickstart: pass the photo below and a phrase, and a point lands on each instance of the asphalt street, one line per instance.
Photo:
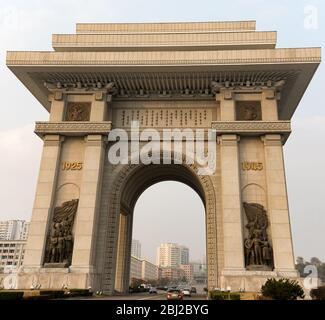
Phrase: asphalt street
(161, 295)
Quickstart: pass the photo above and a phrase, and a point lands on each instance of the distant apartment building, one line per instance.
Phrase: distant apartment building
(136, 248)
(185, 255)
(14, 230)
(150, 271)
(135, 268)
(172, 273)
(199, 271)
(11, 254)
(172, 255)
(188, 272)
(143, 269)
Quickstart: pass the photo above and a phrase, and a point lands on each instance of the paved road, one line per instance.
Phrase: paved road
(142, 296)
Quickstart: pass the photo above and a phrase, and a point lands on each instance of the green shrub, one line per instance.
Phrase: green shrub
(79, 293)
(318, 294)
(218, 295)
(11, 295)
(282, 289)
(52, 294)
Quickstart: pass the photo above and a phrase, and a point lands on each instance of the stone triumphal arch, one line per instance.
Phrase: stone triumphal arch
(222, 76)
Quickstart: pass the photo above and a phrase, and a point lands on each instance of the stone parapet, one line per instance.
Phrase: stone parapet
(165, 27)
(147, 41)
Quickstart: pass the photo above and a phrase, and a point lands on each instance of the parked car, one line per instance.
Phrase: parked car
(164, 288)
(186, 292)
(153, 290)
(193, 290)
(174, 294)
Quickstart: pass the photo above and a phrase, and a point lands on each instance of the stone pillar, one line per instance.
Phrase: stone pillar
(231, 204)
(278, 205)
(269, 105)
(57, 107)
(99, 107)
(86, 219)
(44, 200)
(123, 253)
(230, 188)
(227, 105)
(128, 253)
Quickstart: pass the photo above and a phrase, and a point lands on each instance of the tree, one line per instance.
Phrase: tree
(135, 283)
(315, 261)
(163, 281)
(300, 260)
(321, 272)
(300, 266)
(283, 289)
(183, 279)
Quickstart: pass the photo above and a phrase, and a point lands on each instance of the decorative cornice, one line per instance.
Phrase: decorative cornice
(72, 128)
(229, 88)
(165, 85)
(252, 127)
(98, 88)
(165, 58)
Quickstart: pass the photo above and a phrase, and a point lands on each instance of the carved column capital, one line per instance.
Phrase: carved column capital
(272, 140)
(228, 139)
(53, 140)
(225, 94)
(95, 140)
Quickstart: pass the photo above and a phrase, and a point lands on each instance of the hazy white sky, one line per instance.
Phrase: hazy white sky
(28, 25)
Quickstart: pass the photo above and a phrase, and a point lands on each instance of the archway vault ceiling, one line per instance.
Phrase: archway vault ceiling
(145, 176)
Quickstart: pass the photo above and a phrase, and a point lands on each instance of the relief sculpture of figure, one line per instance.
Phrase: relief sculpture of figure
(267, 253)
(75, 113)
(60, 242)
(257, 244)
(53, 253)
(258, 251)
(250, 114)
(61, 247)
(249, 252)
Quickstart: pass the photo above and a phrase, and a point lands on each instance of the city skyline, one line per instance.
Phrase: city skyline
(150, 254)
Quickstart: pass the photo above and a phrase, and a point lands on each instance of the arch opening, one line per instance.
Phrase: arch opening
(131, 181)
(173, 214)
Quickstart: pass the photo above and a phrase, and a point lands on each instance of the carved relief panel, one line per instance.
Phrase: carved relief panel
(78, 111)
(258, 250)
(59, 246)
(248, 111)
